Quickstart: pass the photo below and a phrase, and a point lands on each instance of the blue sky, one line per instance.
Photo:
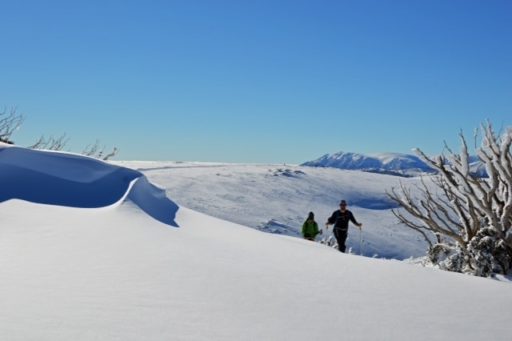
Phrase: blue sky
(256, 81)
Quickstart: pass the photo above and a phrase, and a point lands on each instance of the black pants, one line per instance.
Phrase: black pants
(341, 238)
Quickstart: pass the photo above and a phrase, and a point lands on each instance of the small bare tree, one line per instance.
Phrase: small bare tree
(95, 151)
(10, 121)
(111, 154)
(51, 143)
(465, 219)
(92, 150)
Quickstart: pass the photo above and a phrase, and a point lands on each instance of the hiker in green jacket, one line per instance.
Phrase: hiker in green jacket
(310, 227)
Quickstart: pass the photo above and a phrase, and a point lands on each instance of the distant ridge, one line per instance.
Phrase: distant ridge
(385, 163)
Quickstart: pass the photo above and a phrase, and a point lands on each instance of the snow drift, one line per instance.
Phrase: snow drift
(63, 179)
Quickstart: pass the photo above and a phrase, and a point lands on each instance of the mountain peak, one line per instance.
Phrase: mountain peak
(389, 163)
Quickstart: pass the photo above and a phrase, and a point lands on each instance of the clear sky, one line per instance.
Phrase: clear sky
(256, 81)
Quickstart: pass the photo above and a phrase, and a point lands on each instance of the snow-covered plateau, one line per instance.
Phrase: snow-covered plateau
(94, 251)
(277, 198)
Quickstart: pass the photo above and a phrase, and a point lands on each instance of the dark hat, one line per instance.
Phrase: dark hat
(311, 215)
(343, 202)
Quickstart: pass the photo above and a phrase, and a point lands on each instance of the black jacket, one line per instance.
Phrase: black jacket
(341, 219)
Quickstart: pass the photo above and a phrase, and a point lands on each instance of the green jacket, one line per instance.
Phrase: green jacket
(309, 229)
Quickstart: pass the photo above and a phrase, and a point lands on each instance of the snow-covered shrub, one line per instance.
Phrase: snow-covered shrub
(465, 219)
(484, 255)
(287, 172)
(488, 253)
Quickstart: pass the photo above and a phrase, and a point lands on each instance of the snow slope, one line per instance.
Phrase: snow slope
(116, 273)
(277, 198)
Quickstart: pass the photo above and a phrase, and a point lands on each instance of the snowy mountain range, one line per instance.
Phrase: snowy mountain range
(385, 163)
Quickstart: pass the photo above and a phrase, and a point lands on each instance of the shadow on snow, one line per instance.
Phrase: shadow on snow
(63, 179)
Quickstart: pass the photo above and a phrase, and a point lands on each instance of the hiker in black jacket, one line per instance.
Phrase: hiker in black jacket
(340, 219)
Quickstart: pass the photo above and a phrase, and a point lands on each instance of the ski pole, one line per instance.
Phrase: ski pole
(360, 241)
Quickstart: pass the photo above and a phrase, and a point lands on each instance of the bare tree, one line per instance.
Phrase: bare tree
(95, 151)
(111, 154)
(51, 143)
(10, 121)
(465, 219)
(92, 150)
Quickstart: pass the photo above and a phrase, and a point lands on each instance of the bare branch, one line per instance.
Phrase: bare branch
(10, 121)
(473, 214)
(111, 154)
(51, 143)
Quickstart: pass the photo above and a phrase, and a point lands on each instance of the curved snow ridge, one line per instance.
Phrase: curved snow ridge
(153, 201)
(63, 179)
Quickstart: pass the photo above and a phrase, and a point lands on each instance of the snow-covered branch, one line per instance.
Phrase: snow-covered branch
(473, 215)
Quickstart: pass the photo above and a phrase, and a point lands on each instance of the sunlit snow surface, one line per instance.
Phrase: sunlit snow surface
(259, 195)
(116, 273)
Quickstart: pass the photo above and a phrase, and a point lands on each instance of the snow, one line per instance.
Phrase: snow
(65, 179)
(262, 197)
(117, 273)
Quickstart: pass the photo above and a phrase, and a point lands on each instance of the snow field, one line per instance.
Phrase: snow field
(119, 272)
(252, 195)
